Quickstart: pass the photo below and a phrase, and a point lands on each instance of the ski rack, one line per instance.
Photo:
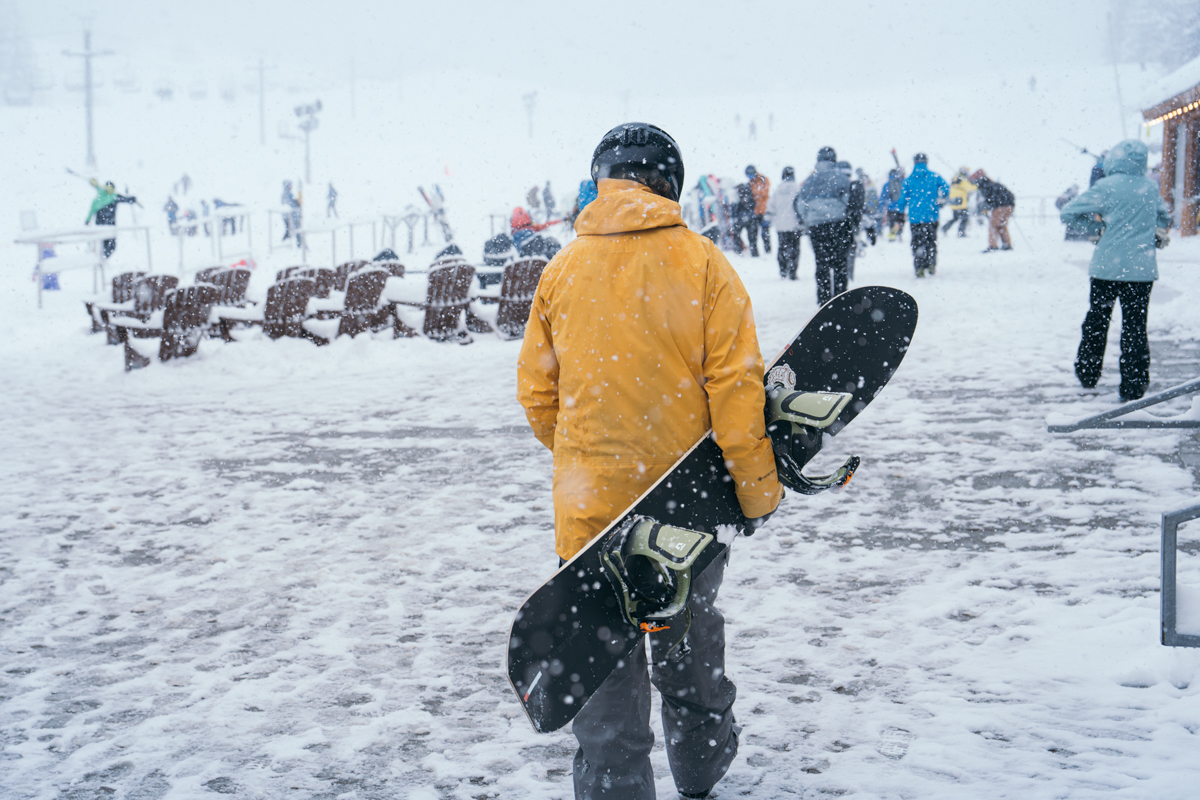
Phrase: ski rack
(1110, 419)
(1170, 529)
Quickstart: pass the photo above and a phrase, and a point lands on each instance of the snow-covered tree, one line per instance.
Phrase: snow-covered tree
(1164, 31)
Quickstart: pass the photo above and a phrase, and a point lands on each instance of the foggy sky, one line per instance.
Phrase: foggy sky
(665, 48)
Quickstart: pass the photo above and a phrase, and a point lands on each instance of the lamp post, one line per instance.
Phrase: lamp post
(308, 124)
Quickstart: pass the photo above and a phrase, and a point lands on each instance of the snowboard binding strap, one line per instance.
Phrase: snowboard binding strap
(650, 567)
(795, 421)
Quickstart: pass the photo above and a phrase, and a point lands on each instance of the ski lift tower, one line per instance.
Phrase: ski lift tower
(87, 55)
(308, 124)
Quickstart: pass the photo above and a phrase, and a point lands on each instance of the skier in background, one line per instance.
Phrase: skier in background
(1124, 265)
(548, 201)
(694, 342)
(172, 209)
(891, 198)
(522, 227)
(744, 218)
(872, 220)
(587, 193)
(1002, 202)
(821, 205)
(331, 203)
(760, 187)
(782, 215)
(1097, 169)
(960, 196)
(104, 209)
(531, 199)
(291, 216)
(854, 213)
(922, 192)
(228, 223)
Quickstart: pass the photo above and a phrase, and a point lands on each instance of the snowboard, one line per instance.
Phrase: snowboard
(569, 635)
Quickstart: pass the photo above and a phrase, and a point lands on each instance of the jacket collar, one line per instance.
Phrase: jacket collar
(623, 206)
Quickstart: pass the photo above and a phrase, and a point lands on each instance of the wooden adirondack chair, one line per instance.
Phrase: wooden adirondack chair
(509, 314)
(203, 275)
(324, 278)
(184, 320)
(282, 315)
(286, 273)
(230, 284)
(149, 295)
(441, 316)
(342, 273)
(395, 268)
(360, 312)
(122, 299)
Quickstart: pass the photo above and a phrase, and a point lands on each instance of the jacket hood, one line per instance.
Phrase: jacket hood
(623, 206)
(520, 219)
(1126, 158)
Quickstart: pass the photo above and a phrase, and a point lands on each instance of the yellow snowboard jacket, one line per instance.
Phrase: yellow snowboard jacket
(641, 338)
(960, 191)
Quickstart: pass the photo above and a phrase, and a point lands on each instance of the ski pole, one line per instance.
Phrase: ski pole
(1028, 244)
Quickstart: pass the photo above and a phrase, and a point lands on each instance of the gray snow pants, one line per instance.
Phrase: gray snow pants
(613, 729)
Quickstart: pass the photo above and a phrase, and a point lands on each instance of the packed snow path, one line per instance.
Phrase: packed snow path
(281, 571)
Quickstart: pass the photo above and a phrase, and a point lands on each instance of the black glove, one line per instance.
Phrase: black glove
(753, 525)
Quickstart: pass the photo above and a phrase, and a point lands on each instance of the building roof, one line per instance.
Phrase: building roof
(1172, 85)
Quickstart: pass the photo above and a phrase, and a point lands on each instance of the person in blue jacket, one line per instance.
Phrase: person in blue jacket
(1124, 265)
(923, 190)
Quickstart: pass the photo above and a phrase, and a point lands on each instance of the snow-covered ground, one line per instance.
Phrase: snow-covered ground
(276, 570)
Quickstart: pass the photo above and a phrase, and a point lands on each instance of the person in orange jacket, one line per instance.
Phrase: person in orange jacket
(522, 227)
(760, 187)
(640, 340)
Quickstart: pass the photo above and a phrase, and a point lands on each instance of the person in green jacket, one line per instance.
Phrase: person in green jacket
(104, 209)
(1135, 219)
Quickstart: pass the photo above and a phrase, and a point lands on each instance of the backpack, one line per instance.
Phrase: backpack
(895, 185)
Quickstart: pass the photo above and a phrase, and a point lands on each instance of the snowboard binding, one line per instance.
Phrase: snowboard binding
(795, 422)
(650, 567)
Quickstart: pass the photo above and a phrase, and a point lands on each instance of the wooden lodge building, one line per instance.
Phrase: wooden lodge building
(1179, 115)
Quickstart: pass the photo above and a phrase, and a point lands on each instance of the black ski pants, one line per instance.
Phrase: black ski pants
(923, 242)
(750, 225)
(613, 729)
(831, 244)
(962, 218)
(1135, 345)
(764, 225)
(789, 253)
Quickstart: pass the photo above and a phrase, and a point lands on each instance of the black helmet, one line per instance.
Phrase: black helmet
(920, 158)
(827, 154)
(751, 171)
(789, 174)
(643, 153)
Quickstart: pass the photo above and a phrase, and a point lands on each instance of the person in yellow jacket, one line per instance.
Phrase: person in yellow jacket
(640, 339)
(960, 194)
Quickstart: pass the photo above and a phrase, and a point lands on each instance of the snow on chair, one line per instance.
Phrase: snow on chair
(438, 309)
(341, 274)
(510, 311)
(183, 322)
(231, 285)
(149, 295)
(123, 286)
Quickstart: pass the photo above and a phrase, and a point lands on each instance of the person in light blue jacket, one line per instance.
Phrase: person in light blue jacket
(1124, 266)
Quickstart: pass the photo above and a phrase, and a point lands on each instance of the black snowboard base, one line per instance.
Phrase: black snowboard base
(569, 635)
